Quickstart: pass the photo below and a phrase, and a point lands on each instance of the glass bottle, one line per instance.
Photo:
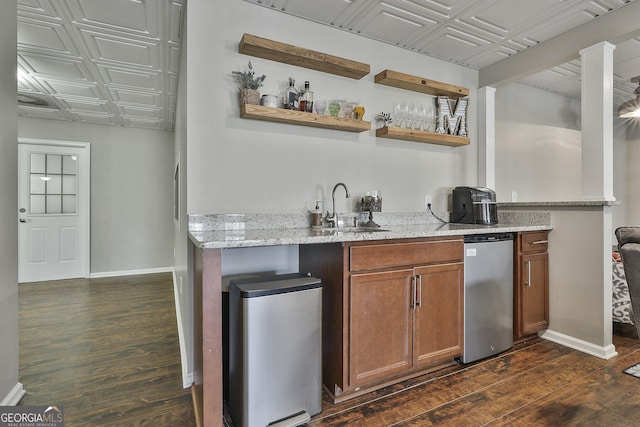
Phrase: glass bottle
(291, 95)
(306, 99)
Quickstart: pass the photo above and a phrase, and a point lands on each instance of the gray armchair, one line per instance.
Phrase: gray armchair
(629, 248)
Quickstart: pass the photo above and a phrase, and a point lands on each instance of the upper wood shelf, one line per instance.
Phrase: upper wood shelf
(419, 84)
(394, 132)
(293, 55)
(293, 117)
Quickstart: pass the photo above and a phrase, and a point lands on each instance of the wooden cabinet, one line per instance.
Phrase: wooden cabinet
(391, 310)
(438, 325)
(531, 293)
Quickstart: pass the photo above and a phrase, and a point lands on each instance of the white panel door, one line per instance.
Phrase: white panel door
(53, 211)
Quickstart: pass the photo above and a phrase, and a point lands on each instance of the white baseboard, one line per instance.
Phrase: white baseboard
(131, 272)
(14, 396)
(606, 352)
(187, 377)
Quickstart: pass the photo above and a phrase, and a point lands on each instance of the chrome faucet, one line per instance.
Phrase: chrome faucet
(332, 219)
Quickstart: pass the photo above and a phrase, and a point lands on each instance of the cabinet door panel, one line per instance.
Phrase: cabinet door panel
(379, 325)
(438, 329)
(534, 289)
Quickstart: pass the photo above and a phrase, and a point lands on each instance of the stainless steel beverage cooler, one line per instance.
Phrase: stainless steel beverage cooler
(275, 350)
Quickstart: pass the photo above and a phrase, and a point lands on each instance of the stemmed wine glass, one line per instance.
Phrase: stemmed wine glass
(421, 116)
(400, 112)
(412, 113)
(430, 118)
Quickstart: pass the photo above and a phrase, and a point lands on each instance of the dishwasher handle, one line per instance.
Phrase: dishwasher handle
(487, 237)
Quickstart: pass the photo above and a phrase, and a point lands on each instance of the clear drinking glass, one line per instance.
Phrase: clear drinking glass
(421, 116)
(396, 114)
(430, 118)
(412, 113)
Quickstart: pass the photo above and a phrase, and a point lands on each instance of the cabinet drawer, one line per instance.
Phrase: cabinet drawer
(534, 242)
(369, 257)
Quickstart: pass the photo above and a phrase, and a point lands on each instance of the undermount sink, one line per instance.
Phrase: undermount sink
(344, 230)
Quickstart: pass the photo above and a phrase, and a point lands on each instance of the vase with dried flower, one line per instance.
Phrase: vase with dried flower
(248, 84)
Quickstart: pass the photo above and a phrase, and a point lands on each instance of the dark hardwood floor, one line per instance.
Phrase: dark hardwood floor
(105, 349)
(538, 383)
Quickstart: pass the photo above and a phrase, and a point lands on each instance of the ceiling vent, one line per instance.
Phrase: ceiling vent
(32, 101)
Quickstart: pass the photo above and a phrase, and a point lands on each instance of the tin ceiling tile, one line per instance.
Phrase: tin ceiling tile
(79, 105)
(324, 11)
(74, 89)
(44, 36)
(128, 16)
(97, 53)
(135, 97)
(125, 51)
(129, 78)
(55, 66)
(41, 7)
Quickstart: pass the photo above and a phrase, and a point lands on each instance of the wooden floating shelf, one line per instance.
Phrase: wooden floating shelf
(422, 136)
(293, 117)
(419, 84)
(293, 55)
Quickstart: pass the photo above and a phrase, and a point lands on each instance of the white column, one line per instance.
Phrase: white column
(487, 137)
(597, 121)
(597, 171)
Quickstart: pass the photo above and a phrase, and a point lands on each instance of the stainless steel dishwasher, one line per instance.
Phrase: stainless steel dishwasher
(488, 295)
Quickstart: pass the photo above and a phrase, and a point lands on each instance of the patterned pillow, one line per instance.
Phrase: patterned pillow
(621, 304)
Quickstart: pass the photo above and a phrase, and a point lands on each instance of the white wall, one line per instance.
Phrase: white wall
(538, 154)
(8, 207)
(630, 203)
(238, 165)
(579, 299)
(538, 151)
(131, 192)
(624, 160)
(538, 145)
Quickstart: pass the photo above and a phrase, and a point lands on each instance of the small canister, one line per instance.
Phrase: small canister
(269, 100)
(316, 216)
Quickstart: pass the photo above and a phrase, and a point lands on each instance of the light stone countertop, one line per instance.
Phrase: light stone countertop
(222, 231)
(560, 204)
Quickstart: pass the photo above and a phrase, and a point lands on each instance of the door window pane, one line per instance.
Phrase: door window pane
(69, 204)
(69, 165)
(37, 204)
(54, 204)
(69, 184)
(37, 163)
(54, 164)
(53, 184)
(37, 184)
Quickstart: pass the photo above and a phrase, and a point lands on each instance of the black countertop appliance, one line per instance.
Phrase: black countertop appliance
(474, 205)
